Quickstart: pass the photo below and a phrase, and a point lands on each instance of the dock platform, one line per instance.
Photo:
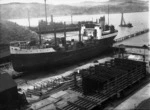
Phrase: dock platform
(77, 93)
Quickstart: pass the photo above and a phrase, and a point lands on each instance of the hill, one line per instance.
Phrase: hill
(12, 32)
(19, 10)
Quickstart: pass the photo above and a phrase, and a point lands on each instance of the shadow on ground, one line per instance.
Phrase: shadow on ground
(144, 105)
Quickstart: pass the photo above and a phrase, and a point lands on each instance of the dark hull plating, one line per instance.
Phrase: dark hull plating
(30, 62)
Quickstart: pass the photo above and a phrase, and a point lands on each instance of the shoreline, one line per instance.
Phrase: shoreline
(18, 18)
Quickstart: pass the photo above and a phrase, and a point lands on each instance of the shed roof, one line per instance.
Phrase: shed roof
(6, 82)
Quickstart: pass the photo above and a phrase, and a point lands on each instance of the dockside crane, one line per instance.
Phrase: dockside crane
(123, 23)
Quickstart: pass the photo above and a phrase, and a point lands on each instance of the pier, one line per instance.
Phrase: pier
(131, 35)
(141, 52)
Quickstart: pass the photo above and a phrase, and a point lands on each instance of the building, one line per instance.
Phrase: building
(8, 92)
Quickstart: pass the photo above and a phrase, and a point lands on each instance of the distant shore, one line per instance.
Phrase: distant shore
(20, 10)
(40, 17)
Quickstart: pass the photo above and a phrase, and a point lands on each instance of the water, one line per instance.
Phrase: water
(139, 20)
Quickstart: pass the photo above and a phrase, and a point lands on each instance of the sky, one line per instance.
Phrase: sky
(55, 2)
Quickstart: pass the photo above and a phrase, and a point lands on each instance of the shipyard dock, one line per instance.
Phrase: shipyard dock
(71, 90)
(114, 79)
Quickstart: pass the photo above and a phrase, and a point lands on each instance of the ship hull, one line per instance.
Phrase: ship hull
(40, 61)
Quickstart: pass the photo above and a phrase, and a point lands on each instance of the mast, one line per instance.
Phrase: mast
(51, 18)
(45, 12)
(39, 35)
(71, 19)
(65, 33)
(29, 18)
(79, 32)
(108, 15)
(55, 37)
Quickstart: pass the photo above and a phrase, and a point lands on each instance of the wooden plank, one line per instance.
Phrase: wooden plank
(78, 106)
(87, 100)
(58, 108)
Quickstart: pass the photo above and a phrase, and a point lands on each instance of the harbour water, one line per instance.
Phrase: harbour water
(136, 17)
(139, 20)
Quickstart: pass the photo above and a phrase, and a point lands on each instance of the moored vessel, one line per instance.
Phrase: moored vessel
(94, 38)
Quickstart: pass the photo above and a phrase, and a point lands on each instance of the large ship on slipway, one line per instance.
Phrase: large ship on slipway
(94, 38)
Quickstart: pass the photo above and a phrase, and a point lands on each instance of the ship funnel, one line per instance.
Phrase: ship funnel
(102, 22)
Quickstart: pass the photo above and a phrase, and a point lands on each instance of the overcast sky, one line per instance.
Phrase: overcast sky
(56, 2)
